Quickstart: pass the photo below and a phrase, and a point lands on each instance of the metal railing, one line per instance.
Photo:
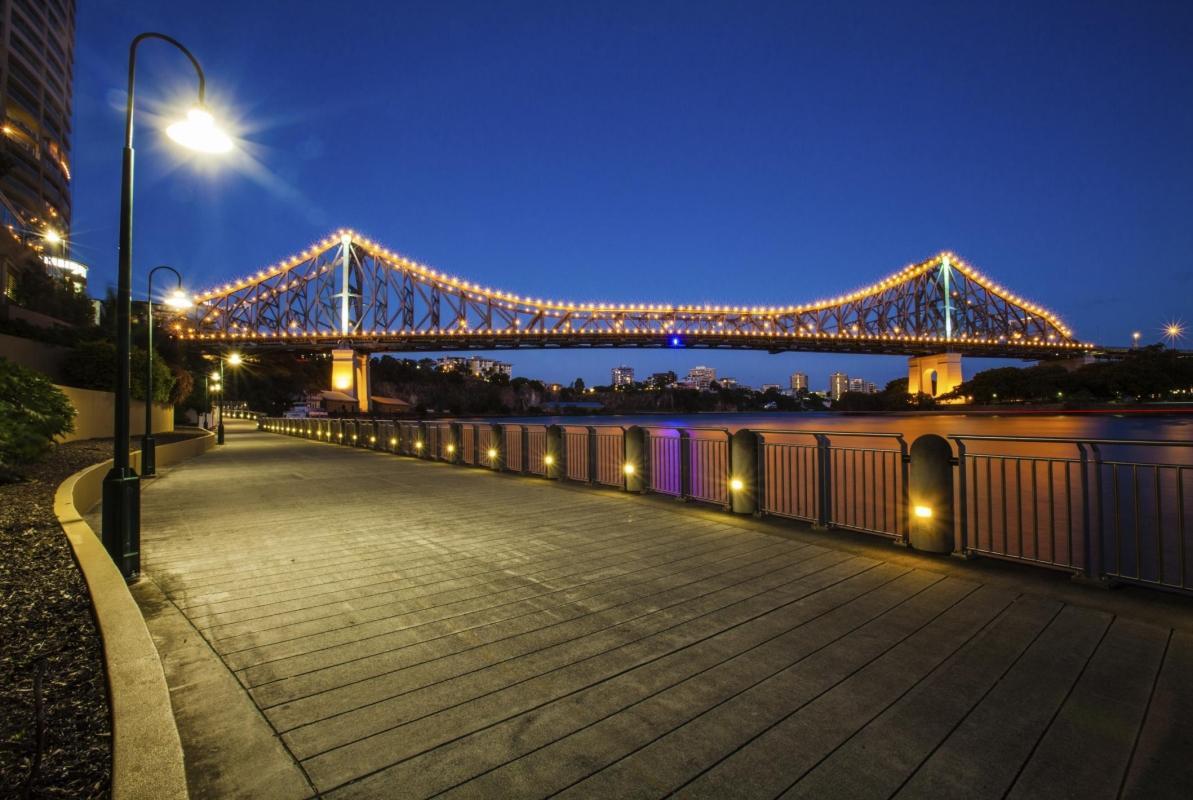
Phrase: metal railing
(836, 479)
(1105, 508)
(689, 463)
(1101, 508)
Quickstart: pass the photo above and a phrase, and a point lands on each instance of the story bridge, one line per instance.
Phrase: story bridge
(351, 295)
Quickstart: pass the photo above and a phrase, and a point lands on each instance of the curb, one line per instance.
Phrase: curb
(147, 760)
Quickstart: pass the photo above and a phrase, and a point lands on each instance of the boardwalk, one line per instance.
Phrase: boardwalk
(407, 629)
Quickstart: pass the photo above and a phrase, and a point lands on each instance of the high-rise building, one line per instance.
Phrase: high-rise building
(661, 380)
(701, 377)
(36, 71)
(838, 384)
(799, 380)
(857, 385)
(623, 376)
(766, 387)
(476, 365)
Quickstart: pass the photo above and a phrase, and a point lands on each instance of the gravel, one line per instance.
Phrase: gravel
(50, 650)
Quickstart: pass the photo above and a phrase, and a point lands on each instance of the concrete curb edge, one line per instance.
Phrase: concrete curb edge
(147, 760)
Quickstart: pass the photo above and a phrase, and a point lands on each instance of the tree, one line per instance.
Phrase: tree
(92, 365)
(32, 412)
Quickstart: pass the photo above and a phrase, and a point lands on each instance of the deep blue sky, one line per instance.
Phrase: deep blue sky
(728, 152)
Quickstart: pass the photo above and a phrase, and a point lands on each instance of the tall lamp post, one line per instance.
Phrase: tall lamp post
(213, 378)
(177, 299)
(122, 487)
(233, 359)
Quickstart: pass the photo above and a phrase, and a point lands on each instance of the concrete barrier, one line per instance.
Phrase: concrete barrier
(97, 413)
(147, 761)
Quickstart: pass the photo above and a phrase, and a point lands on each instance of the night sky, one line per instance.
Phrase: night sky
(733, 152)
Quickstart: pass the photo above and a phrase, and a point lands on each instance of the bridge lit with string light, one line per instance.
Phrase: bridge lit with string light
(350, 294)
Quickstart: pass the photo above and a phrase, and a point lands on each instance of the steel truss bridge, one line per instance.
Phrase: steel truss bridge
(349, 291)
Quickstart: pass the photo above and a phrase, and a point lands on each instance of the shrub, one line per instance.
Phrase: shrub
(32, 412)
(92, 365)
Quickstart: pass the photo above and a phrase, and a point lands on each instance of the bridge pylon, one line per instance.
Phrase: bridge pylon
(934, 375)
(350, 375)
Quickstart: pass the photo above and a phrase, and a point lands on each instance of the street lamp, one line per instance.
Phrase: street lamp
(211, 383)
(177, 300)
(121, 530)
(234, 360)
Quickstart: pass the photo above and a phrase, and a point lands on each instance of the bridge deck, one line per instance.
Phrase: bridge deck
(407, 629)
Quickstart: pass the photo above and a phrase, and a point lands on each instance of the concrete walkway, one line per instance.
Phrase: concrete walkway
(345, 623)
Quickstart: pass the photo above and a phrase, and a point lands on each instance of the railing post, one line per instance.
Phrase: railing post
(524, 443)
(591, 438)
(824, 486)
(760, 474)
(931, 492)
(635, 459)
(743, 466)
(685, 464)
(961, 529)
(556, 448)
(1089, 569)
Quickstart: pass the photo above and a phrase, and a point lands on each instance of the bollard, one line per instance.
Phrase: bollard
(493, 457)
(636, 464)
(743, 472)
(930, 495)
(421, 448)
(556, 453)
(451, 448)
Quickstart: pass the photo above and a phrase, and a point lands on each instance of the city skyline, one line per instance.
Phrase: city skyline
(506, 187)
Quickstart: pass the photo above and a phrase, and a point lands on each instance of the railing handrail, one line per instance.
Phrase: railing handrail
(974, 437)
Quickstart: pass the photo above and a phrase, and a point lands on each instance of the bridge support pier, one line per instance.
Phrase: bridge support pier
(934, 375)
(350, 375)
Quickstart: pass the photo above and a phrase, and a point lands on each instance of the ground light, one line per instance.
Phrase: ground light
(121, 529)
(736, 484)
(923, 512)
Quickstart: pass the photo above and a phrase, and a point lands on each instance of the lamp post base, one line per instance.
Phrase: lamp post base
(121, 530)
(148, 456)
(219, 433)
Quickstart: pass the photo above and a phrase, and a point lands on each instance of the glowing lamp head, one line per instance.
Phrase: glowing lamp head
(234, 359)
(451, 448)
(343, 382)
(372, 440)
(492, 453)
(548, 459)
(393, 442)
(52, 236)
(200, 133)
(418, 445)
(178, 299)
(923, 512)
(736, 484)
(628, 469)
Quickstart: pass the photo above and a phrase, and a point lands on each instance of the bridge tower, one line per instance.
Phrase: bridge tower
(349, 369)
(350, 375)
(938, 374)
(934, 375)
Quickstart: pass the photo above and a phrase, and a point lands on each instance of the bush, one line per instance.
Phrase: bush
(32, 412)
(92, 365)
